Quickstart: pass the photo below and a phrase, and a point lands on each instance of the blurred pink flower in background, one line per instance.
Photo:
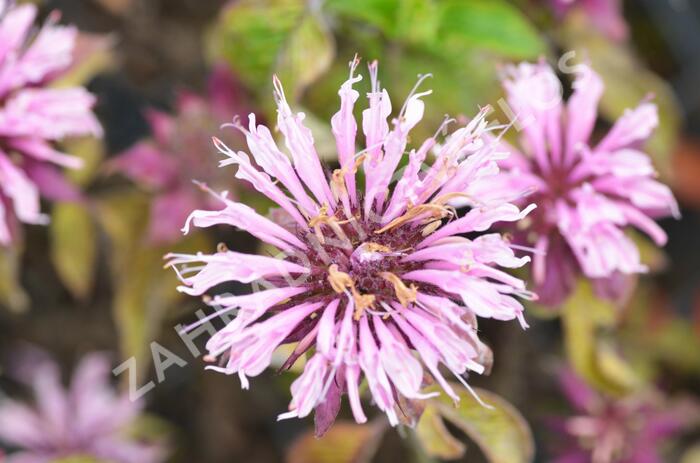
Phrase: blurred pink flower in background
(631, 429)
(88, 419)
(586, 193)
(378, 282)
(605, 15)
(33, 115)
(179, 152)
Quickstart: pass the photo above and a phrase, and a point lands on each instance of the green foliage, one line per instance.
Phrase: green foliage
(501, 432)
(74, 247)
(488, 25)
(460, 42)
(91, 151)
(286, 37)
(143, 290)
(11, 293)
(583, 317)
(435, 438)
(345, 442)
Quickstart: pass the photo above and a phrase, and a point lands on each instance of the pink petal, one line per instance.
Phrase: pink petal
(582, 110)
(230, 266)
(300, 143)
(49, 113)
(344, 129)
(14, 25)
(23, 193)
(259, 180)
(51, 182)
(635, 125)
(50, 53)
(245, 218)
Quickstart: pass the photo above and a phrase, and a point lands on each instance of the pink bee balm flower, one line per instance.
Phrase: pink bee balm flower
(632, 429)
(87, 420)
(33, 115)
(586, 193)
(604, 15)
(376, 281)
(166, 163)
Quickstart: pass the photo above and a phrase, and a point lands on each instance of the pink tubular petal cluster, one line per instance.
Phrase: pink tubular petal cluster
(87, 419)
(628, 429)
(374, 281)
(586, 193)
(178, 151)
(33, 116)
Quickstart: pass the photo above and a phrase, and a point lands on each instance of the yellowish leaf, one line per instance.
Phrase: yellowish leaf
(434, 437)
(11, 293)
(501, 432)
(74, 247)
(345, 442)
(583, 315)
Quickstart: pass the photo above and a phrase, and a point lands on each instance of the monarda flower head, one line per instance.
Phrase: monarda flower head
(33, 115)
(587, 193)
(374, 282)
(177, 152)
(631, 429)
(87, 421)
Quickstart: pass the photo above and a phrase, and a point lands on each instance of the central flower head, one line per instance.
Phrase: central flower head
(372, 280)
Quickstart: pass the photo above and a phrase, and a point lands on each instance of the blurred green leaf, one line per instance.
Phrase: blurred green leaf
(78, 459)
(434, 437)
(493, 25)
(449, 25)
(583, 315)
(309, 52)
(143, 290)
(345, 442)
(659, 339)
(11, 293)
(382, 14)
(627, 83)
(91, 151)
(501, 432)
(73, 247)
(286, 37)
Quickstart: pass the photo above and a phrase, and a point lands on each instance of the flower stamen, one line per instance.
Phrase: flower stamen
(405, 294)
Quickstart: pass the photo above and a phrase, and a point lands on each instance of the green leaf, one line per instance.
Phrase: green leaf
(382, 14)
(144, 292)
(627, 83)
(286, 37)
(345, 442)
(501, 432)
(449, 25)
(73, 247)
(308, 53)
(11, 293)
(435, 439)
(583, 315)
(492, 25)
(91, 151)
